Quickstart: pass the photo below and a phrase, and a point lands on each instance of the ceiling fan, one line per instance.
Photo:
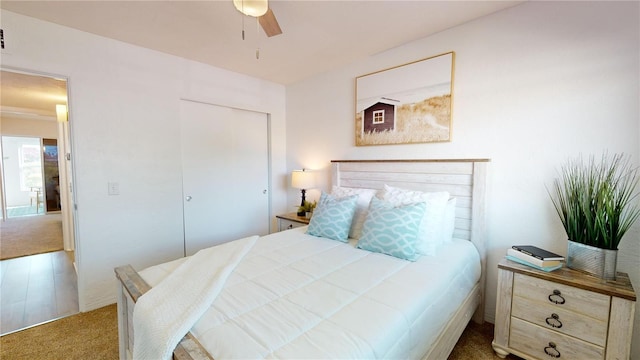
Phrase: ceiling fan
(260, 9)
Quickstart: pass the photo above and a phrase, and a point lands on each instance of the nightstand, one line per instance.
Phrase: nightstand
(290, 221)
(562, 314)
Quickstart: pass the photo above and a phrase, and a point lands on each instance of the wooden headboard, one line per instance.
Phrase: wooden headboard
(464, 179)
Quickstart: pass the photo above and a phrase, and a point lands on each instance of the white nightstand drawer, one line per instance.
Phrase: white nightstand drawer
(291, 221)
(565, 321)
(288, 224)
(562, 296)
(542, 343)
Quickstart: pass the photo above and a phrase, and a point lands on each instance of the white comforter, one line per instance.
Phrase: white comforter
(298, 296)
(164, 314)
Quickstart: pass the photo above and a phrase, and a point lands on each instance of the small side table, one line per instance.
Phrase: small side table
(290, 221)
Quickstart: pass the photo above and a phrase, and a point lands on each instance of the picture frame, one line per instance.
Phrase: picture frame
(406, 104)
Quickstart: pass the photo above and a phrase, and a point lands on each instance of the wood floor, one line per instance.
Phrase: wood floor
(36, 289)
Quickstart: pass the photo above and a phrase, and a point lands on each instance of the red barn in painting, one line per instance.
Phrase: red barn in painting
(379, 117)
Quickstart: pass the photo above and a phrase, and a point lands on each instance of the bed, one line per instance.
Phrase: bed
(420, 312)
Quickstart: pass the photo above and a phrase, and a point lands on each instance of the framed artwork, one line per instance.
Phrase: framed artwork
(406, 104)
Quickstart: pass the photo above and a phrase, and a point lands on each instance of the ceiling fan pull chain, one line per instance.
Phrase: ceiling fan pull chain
(257, 39)
(242, 16)
(242, 26)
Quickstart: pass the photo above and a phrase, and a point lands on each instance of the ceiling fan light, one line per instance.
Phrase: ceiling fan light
(255, 8)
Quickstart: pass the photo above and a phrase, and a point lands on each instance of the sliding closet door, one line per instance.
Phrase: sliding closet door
(225, 165)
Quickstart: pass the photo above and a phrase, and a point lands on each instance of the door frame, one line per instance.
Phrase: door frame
(70, 214)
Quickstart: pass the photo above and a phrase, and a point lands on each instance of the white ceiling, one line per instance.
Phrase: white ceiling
(28, 96)
(317, 35)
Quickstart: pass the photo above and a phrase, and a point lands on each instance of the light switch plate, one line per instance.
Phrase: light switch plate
(114, 188)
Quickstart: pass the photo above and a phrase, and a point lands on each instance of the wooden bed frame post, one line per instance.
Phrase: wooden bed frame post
(478, 229)
(130, 287)
(123, 332)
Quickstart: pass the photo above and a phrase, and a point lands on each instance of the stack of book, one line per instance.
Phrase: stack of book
(535, 257)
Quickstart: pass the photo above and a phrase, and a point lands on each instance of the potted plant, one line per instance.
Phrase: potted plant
(596, 202)
(307, 209)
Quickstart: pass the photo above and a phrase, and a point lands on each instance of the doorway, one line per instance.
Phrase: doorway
(37, 285)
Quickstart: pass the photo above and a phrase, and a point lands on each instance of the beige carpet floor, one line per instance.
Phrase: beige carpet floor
(91, 335)
(475, 343)
(94, 335)
(28, 235)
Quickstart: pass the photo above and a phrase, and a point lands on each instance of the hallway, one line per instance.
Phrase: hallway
(38, 281)
(36, 289)
(30, 235)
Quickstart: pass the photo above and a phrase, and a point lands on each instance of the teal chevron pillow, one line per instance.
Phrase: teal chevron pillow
(332, 217)
(392, 230)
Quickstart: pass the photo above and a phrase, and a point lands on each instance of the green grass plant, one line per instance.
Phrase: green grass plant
(597, 200)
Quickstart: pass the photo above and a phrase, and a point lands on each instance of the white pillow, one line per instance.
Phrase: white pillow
(362, 206)
(449, 223)
(430, 235)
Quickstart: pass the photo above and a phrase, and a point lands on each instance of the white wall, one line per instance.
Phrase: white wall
(123, 113)
(534, 85)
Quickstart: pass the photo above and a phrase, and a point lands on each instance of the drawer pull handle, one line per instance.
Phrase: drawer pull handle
(552, 351)
(554, 321)
(556, 298)
(290, 226)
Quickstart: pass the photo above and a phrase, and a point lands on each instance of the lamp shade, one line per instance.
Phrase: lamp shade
(301, 179)
(253, 8)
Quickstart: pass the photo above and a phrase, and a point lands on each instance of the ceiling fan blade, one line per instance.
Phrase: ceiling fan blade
(270, 24)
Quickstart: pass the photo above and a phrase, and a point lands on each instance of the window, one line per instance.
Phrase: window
(29, 166)
(378, 116)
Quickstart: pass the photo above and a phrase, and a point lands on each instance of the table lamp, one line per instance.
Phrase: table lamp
(303, 180)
